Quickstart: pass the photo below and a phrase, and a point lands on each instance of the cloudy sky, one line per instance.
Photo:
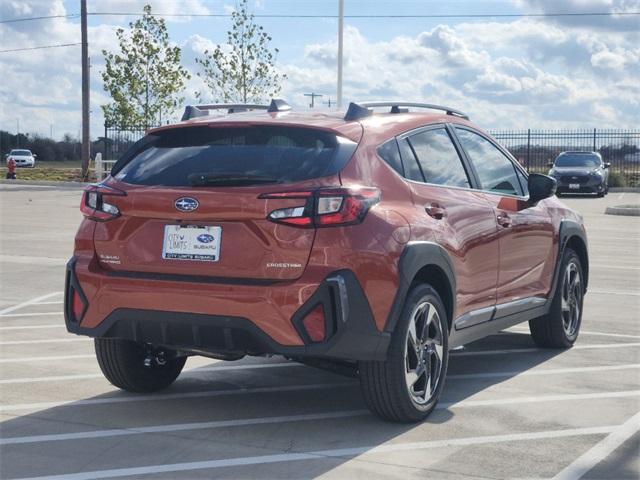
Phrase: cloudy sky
(506, 72)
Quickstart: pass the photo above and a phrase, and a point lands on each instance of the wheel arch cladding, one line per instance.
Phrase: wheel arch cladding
(424, 262)
(572, 236)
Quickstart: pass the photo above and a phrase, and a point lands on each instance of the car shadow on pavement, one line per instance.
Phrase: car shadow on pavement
(248, 412)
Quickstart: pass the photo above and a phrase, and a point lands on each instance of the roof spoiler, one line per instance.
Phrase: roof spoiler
(357, 111)
(195, 111)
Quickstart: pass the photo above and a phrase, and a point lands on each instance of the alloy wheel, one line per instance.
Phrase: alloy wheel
(571, 299)
(424, 353)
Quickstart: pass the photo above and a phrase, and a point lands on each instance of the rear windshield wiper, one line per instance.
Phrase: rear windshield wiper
(209, 179)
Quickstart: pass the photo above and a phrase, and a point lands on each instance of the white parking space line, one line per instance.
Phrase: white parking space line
(129, 398)
(42, 314)
(49, 303)
(28, 302)
(323, 454)
(29, 260)
(585, 462)
(45, 340)
(177, 427)
(33, 327)
(537, 350)
(51, 358)
(614, 292)
(72, 377)
(545, 371)
(582, 332)
(193, 371)
(612, 267)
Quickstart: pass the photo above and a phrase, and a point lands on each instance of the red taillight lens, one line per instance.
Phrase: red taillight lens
(94, 206)
(314, 324)
(78, 306)
(328, 207)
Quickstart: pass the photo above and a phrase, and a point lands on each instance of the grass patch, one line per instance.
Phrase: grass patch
(49, 173)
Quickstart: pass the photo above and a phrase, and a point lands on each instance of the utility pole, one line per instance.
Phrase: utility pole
(17, 133)
(313, 98)
(85, 151)
(329, 102)
(340, 48)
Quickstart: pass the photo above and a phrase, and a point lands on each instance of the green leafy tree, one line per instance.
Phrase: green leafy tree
(243, 70)
(145, 79)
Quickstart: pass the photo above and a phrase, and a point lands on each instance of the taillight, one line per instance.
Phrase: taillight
(327, 207)
(94, 206)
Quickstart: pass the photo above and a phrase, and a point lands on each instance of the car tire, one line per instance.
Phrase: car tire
(398, 389)
(560, 327)
(123, 363)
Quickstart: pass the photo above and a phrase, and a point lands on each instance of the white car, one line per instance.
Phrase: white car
(23, 158)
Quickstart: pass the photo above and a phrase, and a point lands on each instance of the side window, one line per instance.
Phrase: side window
(389, 153)
(438, 158)
(495, 171)
(411, 167)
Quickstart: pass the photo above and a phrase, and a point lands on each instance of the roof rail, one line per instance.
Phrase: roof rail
(361, 110)
(195, 111)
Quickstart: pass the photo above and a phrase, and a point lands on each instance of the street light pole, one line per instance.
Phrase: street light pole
(340, 49)
(85, 151)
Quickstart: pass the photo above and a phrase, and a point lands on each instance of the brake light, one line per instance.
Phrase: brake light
(327, 207)
(94, 206)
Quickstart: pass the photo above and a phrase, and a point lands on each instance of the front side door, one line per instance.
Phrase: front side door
(527, 252)
(455, 216)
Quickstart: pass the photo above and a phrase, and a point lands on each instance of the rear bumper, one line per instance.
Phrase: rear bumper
(224, 317)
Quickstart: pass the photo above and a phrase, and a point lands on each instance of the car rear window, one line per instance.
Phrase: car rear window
(268, 154)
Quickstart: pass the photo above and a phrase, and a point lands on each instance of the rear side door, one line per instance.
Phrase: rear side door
(455, 216)
(527, 250)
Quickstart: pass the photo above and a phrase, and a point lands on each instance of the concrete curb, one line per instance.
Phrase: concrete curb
(625, 189)
(44, 183)
(627, 211)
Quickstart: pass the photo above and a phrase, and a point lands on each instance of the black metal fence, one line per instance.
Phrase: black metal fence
(117, 140)
(534, 149)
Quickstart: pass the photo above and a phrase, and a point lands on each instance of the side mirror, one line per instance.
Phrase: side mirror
(607, 164)
(550, 164)
(540, 187)
(34, 155)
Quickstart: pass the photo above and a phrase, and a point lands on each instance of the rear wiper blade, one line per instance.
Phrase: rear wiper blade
(206, 179)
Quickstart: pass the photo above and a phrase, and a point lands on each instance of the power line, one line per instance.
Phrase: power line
(330, 16)
(444, 15)
(40, 47)
(47, 17)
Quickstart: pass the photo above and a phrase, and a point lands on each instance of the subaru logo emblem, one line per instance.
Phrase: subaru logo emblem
(205, 238)
(186, 204)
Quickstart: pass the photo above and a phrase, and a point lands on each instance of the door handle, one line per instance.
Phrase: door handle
(504, 220)
(435, 211)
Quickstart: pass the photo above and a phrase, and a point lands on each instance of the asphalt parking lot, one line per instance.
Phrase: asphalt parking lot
(509, 410)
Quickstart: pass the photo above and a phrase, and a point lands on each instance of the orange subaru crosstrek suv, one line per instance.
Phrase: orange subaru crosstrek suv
(371, 242)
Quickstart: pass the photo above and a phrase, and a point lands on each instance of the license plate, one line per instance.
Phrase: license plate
(574, 186)
(191, 243)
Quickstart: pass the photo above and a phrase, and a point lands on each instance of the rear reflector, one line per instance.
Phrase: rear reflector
(314, 324)
(77, 306)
